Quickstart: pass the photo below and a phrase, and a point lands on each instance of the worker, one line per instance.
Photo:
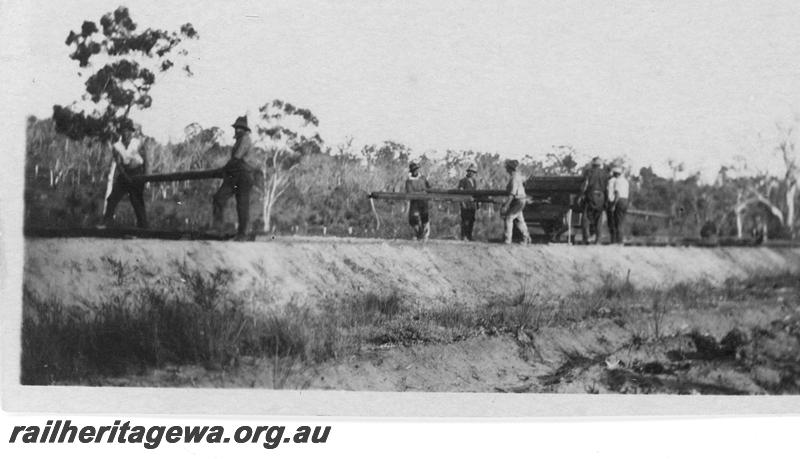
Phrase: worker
(513, 207)
(468, 208)
(237, 180)
(418, 215)
(759, 231)
(609, 210)
(618, 192)
(593, 199)
(130, 159)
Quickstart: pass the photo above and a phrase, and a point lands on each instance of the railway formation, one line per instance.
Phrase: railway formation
(136, 233)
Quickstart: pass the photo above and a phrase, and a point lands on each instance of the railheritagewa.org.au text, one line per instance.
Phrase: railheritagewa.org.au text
(151, 437)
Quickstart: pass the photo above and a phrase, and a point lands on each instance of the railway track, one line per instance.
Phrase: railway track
(122, 233)
(167, 235)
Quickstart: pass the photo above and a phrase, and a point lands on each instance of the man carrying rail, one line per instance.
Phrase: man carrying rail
(468, 208)
(237, 180)
(618, 191)
(512, 209)
(130, 160)
(593, 195)
(418, 215)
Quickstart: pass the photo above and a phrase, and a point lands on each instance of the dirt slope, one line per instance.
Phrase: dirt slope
(81, 271)
(695, 354)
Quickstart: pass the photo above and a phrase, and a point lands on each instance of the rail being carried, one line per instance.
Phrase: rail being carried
(180, 176)
(552, 201)
(556, 192)
(440, 195)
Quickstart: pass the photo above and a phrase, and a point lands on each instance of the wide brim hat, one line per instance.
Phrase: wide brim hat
(616, 170)
(413, 166)
(596, 161)
(472, 168)
(241, 123)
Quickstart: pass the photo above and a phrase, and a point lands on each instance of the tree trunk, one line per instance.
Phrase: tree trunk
(270, 194)
(267, 215)
(738, 211)
(772, 208)
(791, 192)
(266, 202)
(109, 184)
(738, 223)
(274, 186)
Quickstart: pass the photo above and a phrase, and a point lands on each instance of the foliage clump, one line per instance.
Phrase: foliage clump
(131, 59)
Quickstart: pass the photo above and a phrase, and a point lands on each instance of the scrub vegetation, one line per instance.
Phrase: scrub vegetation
(201, 322)
(326, 191)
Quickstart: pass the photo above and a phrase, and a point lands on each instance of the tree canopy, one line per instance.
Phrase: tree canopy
(130, 61)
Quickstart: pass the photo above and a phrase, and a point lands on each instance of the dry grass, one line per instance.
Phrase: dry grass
(203, 322)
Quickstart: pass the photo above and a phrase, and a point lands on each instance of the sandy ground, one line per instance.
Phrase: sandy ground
(305, 271)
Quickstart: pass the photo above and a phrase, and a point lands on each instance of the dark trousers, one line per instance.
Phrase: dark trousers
(236, 183)
(590, 224)
(610, 223)
(594, 202)
(419, 219)
(467, 223)
(616, 217)
(135, 191)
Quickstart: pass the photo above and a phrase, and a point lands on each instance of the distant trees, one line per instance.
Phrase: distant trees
(60, 158)
(200, 149)
(562, 160)
(328, 186)
(309, 184)
(388, 165)
(777, 195)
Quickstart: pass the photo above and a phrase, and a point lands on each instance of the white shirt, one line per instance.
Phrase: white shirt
(618, 188)
(516, 185)
(131, 157)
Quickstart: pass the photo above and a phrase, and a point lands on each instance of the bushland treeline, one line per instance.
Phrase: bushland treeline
(65, 183)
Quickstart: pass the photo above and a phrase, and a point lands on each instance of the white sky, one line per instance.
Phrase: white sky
(691, 81)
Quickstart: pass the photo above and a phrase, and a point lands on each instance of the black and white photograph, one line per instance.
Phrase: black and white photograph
(502, 199)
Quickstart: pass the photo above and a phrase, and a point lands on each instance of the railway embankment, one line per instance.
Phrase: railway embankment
(307, 271)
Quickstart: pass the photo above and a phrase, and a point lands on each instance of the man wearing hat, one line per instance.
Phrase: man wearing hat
(512, 209)
(130, 159)
(418, 216)
(468, 208)
(593, 197)
(618, 191)
(237, 180)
